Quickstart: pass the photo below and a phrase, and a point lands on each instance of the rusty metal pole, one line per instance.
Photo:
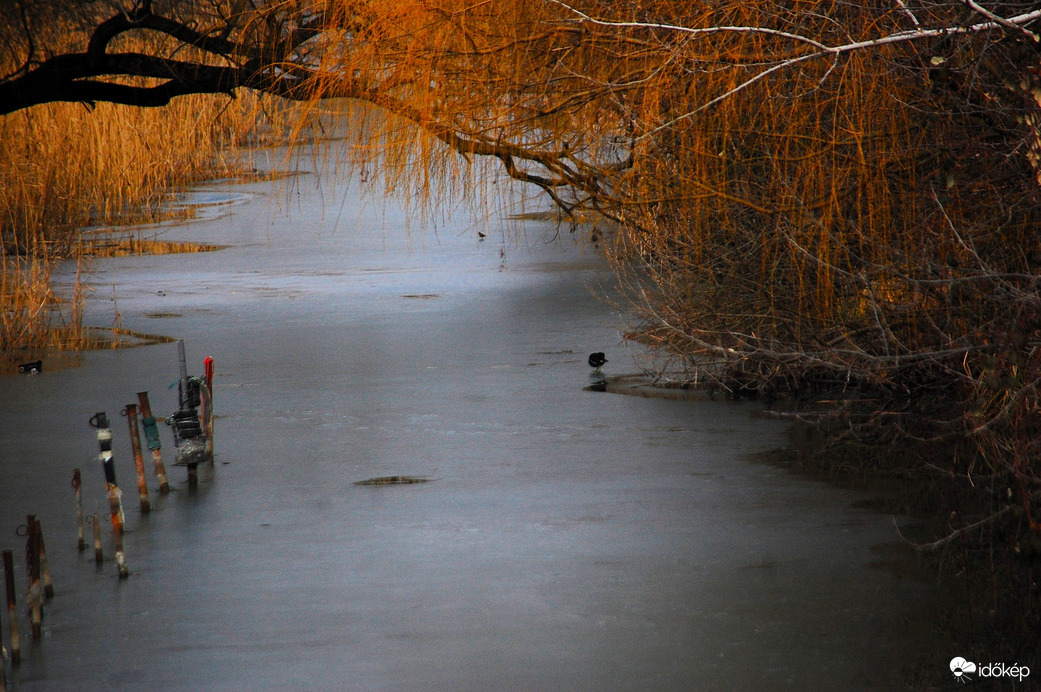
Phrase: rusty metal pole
(139, 463)
(208, 402)
(77, 483)
(152, 439)
(98, 554)
(45, 568)
(12, 609)
(117, 539)
(100, 421)
(32, 567)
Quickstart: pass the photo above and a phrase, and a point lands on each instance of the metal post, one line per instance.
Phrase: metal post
(139, 463)
(45, 568)
(152, 439)
(208, 378)
(100, 421)
(117, 539)
(188, 437)
(32, 567)
(208, 410)
(98, 554)
(77, 483)
(12, 609)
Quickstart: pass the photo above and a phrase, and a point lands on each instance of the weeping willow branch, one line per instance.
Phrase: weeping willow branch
(1016, 23)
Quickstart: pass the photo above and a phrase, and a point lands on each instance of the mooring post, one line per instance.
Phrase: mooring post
(77, 483)
(32, 567)
(153, 442)
(139, 463)
(12, 608)
(100, 421)
(207, 402)
(99, 555)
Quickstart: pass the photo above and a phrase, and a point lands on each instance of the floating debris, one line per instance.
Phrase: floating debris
(392, 480)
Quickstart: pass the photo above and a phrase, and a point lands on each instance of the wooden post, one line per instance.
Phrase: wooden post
(139, 463)
(77, 483)
(152, 439)
(12, 609)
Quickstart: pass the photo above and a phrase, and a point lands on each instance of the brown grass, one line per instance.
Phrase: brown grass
(67, 166)
(64, 167)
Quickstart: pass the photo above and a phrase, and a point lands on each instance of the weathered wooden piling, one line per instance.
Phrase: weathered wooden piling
(153, 442)
(32, 567)
(12, 608)
(99, 555)
(77, 484)
(100, 421)
(139, 463)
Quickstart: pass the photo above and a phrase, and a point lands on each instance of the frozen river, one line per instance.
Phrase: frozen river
(566, 539)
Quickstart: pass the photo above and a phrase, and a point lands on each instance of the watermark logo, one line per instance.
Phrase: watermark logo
(965, 671)
(962, 669)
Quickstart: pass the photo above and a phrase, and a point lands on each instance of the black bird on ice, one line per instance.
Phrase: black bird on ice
(597, 360)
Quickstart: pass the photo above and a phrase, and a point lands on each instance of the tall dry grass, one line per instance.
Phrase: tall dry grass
(64, 167)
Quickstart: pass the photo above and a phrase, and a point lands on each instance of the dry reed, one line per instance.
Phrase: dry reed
(64, 167)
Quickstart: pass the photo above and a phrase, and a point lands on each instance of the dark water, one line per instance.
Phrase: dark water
(566, 540)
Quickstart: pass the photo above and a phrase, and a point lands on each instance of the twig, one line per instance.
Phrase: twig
(999, 20)
(957, 533)
(821, 50)
(909, 13)
(949, 538)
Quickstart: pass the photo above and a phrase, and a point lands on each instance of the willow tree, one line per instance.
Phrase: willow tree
(818, 192)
